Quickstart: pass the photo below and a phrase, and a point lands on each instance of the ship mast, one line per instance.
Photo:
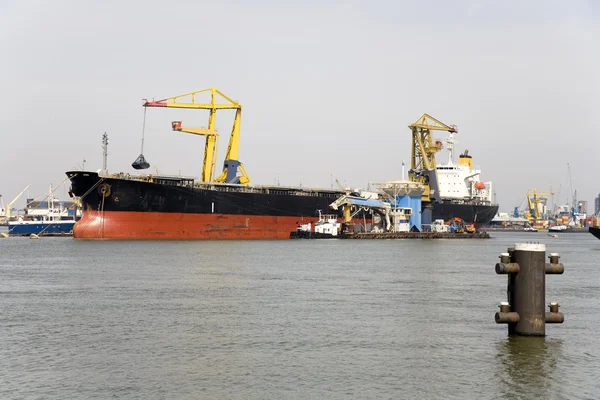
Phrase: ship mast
(104, 150)
(450, 145)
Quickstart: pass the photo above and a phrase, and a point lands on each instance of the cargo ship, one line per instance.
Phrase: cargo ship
(462, 194)
(121, 206)
(169, 207)
(456, 190)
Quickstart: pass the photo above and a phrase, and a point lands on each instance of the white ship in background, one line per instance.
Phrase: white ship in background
(460, 181)
(462, 192)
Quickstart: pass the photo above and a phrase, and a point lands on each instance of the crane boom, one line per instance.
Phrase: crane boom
(210, 148)
(231, 165)
(536, 199)
(423, 168)
(9, 205)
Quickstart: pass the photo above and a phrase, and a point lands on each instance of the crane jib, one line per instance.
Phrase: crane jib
(232, 166)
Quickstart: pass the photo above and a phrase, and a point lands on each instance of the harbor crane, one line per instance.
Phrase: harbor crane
(423, 167)
(231, 165)
(9, 205)
(536, 200)
(210, 149)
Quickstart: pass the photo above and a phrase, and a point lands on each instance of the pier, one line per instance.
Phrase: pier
(416, 235)
(391, 235)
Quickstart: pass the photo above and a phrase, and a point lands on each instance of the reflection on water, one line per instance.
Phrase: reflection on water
(527, 367)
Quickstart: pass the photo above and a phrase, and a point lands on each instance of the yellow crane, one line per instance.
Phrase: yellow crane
(423, 154)
(536, 200)
(9, 205)
(231, 165)
(210, 149)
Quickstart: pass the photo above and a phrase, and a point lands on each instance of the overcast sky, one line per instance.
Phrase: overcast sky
(327, 88)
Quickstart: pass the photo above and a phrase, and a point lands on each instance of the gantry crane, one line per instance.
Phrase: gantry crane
(423, 154)
(210, 149)
(231, 165)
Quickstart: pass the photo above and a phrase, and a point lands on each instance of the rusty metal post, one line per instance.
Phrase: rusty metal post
(554, 317)
(529, 289)
(525, 310)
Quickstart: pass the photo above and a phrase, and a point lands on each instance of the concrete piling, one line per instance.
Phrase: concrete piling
(524, 312)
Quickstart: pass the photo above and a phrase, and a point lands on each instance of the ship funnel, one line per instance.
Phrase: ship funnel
(466, 160)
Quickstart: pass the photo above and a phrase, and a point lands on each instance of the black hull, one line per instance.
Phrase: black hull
(176, 196)
(470, 213)
(179, 196)
(595, 232)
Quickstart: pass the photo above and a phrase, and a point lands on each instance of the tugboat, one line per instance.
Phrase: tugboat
(327, 227)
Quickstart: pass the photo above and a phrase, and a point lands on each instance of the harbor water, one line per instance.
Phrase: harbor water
(304, 319)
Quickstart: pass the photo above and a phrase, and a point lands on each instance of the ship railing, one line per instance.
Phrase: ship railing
(185, 180)
(289, 191)
(475, 202)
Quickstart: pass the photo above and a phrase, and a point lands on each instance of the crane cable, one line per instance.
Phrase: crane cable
(143, 130)
(140, 162)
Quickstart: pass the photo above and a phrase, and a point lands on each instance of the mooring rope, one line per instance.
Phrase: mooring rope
(102, 217)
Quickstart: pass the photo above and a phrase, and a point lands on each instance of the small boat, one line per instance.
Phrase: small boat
(557, 228)
(327, 227)
(530, 229)
(41, 228)
(595, 230)
(39, 220)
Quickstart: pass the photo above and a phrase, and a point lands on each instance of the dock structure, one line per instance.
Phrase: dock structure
(415, 235)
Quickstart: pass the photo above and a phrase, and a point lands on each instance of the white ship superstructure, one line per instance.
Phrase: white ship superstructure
(460, 181)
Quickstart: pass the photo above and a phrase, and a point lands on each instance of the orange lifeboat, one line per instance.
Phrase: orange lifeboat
(480, 185)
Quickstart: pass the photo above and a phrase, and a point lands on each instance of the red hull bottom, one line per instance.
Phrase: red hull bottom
(156, 225)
